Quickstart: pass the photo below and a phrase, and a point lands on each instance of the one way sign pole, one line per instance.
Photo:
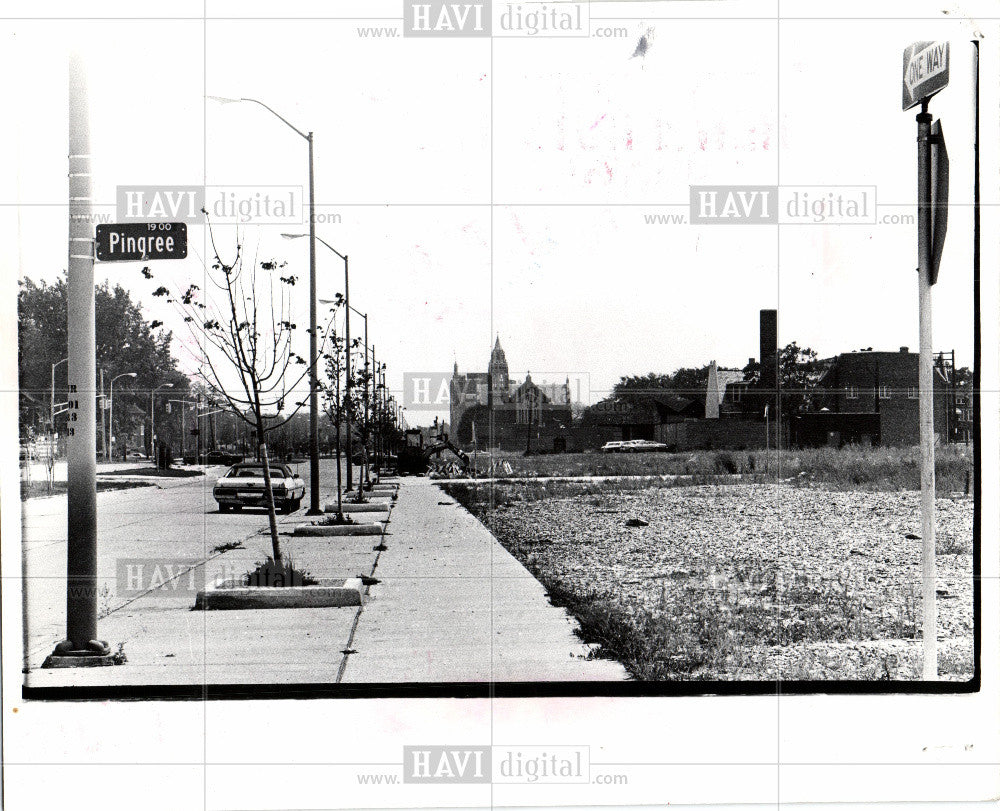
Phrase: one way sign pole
(925, 223)
(925, 72)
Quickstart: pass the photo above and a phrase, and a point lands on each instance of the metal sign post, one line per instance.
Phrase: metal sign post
(925, 220)
(925, 72)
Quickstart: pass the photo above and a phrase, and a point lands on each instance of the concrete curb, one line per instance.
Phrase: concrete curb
(348, 507)
(231, 595)
(328, 530)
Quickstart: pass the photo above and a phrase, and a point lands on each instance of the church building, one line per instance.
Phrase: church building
(519, 409)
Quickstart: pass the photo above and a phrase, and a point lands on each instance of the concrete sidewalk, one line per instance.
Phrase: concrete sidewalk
(452, 606)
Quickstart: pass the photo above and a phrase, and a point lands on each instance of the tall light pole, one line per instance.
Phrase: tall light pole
(52, 401)
(152, 423)
(365, 415)
(377, 415)
(111, 410)
(184, 404)
(81, 647)
(314, 483)
(314, 505)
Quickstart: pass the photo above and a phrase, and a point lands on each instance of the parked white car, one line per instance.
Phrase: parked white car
(243, 486)
(613, 447)
(644, 446)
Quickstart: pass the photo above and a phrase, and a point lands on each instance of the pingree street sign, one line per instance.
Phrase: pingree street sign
(925, 71)
(141, 241)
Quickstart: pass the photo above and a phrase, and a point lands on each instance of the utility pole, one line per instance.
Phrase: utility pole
(101, 410)
(369, 403)
(373, 412)
(347, 374)
(314, 505)
(81, 648)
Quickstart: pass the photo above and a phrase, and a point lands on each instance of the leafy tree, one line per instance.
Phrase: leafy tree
(963, 378)
(683, 379)
(126, 342)
(799, 370)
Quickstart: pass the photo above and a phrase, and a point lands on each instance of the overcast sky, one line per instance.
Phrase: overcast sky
(502, 186)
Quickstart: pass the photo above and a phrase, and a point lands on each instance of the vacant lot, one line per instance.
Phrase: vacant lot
(849, 468)
(741, 581)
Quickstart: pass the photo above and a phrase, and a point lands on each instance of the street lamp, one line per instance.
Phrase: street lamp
(111, 411)
(184, 404)
(367, 423)
(152, 424)
(314, 506)
(52, 401)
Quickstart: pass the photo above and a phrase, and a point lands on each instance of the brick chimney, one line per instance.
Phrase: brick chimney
(769, 349)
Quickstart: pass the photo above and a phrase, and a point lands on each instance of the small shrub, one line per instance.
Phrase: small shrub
(725, 462)
(119, 657)
(278, 575)
(953, 545)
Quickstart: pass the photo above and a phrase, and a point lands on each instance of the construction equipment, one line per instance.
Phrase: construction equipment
(415, 459)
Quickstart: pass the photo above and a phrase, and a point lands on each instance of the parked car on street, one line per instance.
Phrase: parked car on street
(634, 446)
(644, 446)
(213, 458)
(243, 486)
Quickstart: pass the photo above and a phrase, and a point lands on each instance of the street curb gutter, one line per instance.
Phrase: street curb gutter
(232, 594)
(348, 507)
(326, 530)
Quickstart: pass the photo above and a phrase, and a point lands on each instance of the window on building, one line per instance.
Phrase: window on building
(884, 393)
(737, 393)
(959, 399)
(852, 392)
(913, 393)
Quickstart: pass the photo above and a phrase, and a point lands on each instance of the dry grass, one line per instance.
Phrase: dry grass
(712, 629)
(717, 616)
(848, 468)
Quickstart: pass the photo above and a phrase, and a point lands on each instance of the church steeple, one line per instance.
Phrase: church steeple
(498, 368)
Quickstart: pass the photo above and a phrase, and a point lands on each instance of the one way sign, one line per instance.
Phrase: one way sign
(925, 71)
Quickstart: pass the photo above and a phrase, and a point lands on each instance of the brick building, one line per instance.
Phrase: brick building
(870, 397)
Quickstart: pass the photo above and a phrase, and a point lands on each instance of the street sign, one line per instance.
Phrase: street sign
(939, 197)
(925, 71)
(141, 241)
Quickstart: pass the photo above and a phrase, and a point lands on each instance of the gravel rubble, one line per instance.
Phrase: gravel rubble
(859, 550)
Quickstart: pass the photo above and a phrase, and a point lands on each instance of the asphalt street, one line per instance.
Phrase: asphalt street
(444, 603)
